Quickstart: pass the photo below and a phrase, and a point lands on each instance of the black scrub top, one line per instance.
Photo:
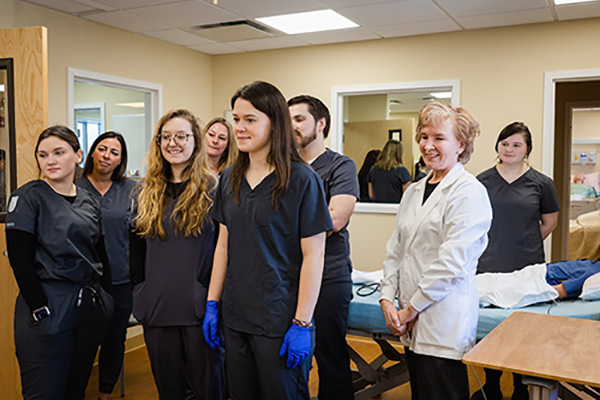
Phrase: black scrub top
(339, 176)
(515, 239)
(66, 233)
(387, 185)
(177, 272)
(116, 207)
(264, 256)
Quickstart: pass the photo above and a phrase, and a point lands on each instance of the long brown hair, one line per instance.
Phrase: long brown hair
(191, 210)
(267, 99)
(391, 155)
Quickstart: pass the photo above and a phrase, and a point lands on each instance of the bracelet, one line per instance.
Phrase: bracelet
(303, 324)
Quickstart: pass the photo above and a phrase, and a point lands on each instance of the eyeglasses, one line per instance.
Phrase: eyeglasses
(180, 138)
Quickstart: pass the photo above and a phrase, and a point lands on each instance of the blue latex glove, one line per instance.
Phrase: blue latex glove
(297, 344)
(209, 325)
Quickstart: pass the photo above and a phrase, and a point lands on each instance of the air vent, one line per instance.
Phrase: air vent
(231, 31)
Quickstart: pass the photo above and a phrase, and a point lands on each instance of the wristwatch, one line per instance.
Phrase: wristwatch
(41, 313)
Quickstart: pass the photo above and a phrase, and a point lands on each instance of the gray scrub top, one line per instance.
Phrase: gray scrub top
(339, 176)
(66, 233)
(264, 256)
(177, 272)
(515, 239)
(116, 208)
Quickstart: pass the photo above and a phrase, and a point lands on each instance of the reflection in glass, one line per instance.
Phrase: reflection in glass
(100, 108)
(4, 137)
(371, 120)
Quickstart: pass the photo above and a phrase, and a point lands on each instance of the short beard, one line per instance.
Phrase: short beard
(304, 141)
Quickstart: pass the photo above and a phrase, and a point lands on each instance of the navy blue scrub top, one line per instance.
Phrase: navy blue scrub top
(515, 239)
(66, 233)
(387, 185)
(339, 176)
(264, 255)
(116, 208)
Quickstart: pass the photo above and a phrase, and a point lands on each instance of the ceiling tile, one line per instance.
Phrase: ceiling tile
(218, 48)
(416, 28)
(269, 43)
(67, 6)
(506, 19)
(185, 14)
(464, 8)
(340, 35)
(352, 3)
(126, 4)
(574, 11)
(268, 8)
(123, 20)
(179, 37)
(393, 13)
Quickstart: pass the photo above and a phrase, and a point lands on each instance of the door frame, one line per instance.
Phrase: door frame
(548, 139)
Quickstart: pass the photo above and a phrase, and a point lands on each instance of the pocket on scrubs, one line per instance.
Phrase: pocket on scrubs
(62, 314)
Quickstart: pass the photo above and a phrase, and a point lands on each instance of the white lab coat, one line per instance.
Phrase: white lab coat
(432, 259)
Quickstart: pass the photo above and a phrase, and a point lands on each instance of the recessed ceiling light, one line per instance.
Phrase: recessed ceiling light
(133, 105)
(561, 2)
(312, 21)
(442, 95)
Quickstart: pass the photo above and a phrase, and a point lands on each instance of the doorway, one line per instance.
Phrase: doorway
(564, 92)
(99, 103)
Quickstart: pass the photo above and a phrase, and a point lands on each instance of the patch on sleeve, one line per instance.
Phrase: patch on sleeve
(13, 203)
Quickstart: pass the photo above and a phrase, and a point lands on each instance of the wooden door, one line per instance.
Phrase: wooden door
(28, 49)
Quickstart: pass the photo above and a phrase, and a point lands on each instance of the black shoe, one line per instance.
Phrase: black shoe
(492, 393)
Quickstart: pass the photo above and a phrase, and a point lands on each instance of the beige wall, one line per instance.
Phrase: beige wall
(501, 72)
(367, 108)
(74, 42)
(586, 124)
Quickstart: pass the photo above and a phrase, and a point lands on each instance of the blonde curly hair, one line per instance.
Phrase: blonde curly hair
(192, 207)
(466, 127)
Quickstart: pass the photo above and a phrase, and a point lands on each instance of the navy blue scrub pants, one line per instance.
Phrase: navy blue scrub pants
(182, 360)
(112, 349)
(434, 378)
(56, 363)
(331, 348)
(255, 371)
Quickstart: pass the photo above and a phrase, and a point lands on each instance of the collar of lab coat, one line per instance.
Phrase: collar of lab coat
(438, 194)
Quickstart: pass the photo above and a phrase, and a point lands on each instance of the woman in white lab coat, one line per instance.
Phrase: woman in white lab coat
(441, 230)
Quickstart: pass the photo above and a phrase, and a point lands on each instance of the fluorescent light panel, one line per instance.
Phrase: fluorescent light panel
(442, 95)
(133, 105)
(312, 21)
(562, 2)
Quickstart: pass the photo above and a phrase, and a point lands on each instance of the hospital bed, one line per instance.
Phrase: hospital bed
(389, 369)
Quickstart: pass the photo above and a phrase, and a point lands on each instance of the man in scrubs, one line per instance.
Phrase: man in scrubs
(310, 119)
